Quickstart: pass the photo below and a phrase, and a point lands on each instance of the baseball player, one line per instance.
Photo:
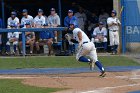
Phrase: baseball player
(113, 26)
(85, 48)
(100, 35)
(12, 42)
(13, 19)
(39, 20)
(26, 18)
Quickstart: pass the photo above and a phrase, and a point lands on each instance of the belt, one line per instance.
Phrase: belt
(114, 30)
(85, 42)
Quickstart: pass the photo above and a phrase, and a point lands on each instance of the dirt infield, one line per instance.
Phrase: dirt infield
(114, 82)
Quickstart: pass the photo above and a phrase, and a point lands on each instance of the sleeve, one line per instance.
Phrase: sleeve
(8, 35)
(105, 32)
(43, 20)
(109, 21)
(94, 32)
(58, 20)
(8, 22)
(22, 21)
(17, 35)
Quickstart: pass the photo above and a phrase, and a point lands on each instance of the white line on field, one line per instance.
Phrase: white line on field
(106, 89)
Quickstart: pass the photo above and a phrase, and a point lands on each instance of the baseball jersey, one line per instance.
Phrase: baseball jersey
(12, 21)
(81, 17)
(13, 35)
(67, 21)
(25, 20)
(98, 31)
(39, 21)
(46, 35)
(111, 20)
(54, 19)
(84, 36)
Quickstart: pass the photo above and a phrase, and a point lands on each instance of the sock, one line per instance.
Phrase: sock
(105, 45)
(15, 48)
(115, 48)
(8, 48)
(84, 59)
(99, 65)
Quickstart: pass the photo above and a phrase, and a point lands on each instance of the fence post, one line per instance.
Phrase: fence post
(123, 27)
(23, 44)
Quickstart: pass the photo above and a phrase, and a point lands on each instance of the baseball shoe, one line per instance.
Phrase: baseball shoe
(103, 74)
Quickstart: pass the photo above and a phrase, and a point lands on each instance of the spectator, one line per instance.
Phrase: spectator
(100, 35)
(26, 18)
(81, 16)
(39, 20)
(103, 17)
(30, 39)
(69, 18)
(11, 45)
(13, 20)
(94, 19)
(46, 37)
(54, 21)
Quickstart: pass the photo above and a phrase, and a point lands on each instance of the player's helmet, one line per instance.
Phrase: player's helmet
(24, 11)
(13, 13)
(114, 11)
(40, 10)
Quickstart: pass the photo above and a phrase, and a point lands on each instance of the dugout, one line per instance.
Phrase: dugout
(61, 6)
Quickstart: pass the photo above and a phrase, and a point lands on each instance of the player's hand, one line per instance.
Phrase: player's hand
(67, 36)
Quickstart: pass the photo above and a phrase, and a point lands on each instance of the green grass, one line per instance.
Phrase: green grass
(59, 62)
(15, 86)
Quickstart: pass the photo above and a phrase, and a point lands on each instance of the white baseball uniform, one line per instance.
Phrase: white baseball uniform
(12, 21)
(39, 21)
(25, 20)
(113, 30)
(11, 35)
(99, 32)
(81, 17)
(87, 47)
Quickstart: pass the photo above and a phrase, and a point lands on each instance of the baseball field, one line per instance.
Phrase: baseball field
(122, 75)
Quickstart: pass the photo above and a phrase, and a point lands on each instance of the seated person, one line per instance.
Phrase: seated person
(46, 38)
(100, 35)
(30, 39)
(12, 43)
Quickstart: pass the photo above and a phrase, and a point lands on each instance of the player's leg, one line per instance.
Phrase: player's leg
(93, 56)
(116, 41)
(37, 47)
(31, 43)
(105, 43)
(7, 47)
(49, 44)
(111, 37)
(15, 45)
(80, 56)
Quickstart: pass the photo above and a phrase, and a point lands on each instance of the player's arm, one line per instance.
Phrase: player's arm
(80, 38)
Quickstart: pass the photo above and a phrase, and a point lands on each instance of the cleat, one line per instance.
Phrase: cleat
(103, 74)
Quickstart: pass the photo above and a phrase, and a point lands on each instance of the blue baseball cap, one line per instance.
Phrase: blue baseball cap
(70, 11)
(40, 10)
(24, 11)
(52, 9)
(101, 23)
(13, 13)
